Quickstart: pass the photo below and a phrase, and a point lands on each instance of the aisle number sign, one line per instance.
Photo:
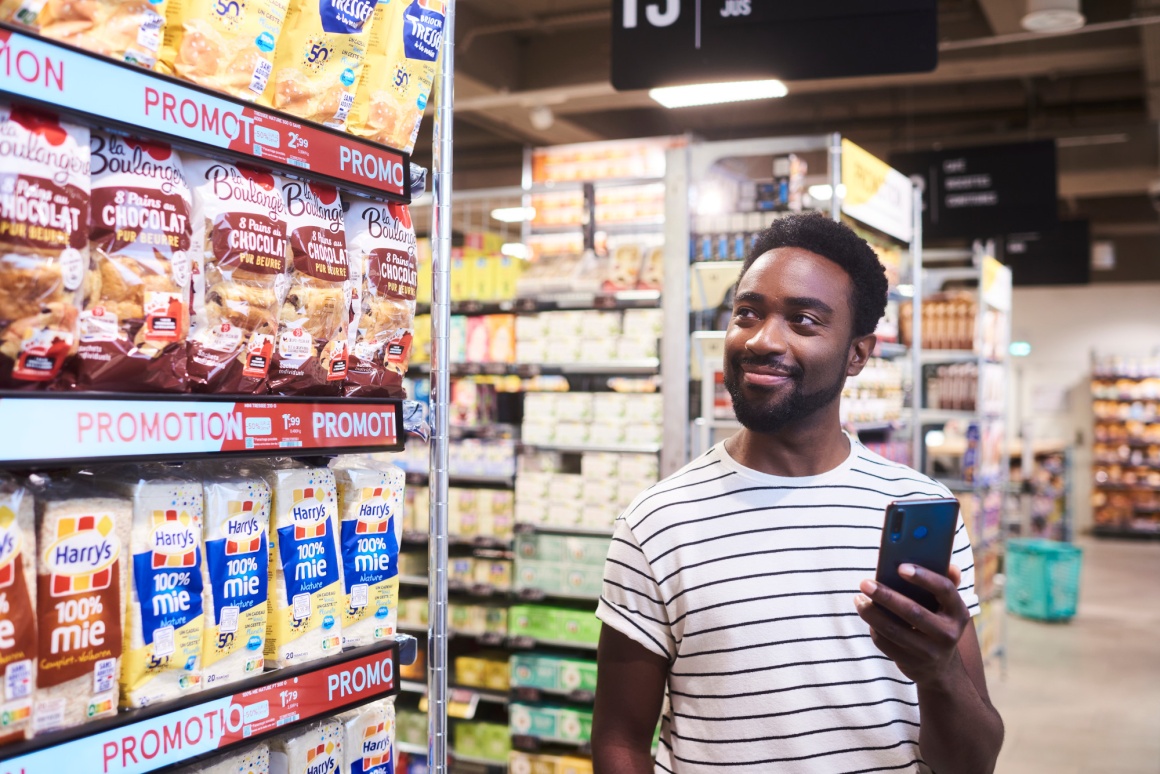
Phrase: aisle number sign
(42, 430)
(876, 194)
(111, 92)
(173, 737)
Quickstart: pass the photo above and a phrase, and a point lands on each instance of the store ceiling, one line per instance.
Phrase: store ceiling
(1097, 93)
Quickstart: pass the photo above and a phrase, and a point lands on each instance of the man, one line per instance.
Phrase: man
(735, 582)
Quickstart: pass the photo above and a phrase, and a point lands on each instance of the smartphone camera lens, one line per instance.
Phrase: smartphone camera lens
(920, 533)
(896, 526)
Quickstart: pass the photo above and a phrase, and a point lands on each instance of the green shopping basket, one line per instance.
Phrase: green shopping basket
(1042, 579)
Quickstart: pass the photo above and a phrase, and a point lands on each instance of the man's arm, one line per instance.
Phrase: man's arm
(961, 732)
(630, 690)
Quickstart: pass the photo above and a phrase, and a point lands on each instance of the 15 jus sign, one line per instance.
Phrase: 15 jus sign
(669, 42)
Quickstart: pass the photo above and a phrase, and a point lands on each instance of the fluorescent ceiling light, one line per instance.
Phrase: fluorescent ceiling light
(1048, 17)
(936, 438)
(717, 93)
(514, 214)
(1019, 348)
(825, 192)
(906, 291)
(515, 250)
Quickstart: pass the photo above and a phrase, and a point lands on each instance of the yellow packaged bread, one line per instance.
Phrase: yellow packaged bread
(226, 45)
(400, 67)
(126, 30)
(319, 58)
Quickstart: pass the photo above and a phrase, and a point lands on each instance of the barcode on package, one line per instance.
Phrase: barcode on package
(261, 75)
(18, 680)
(344, 106)
(104, 675)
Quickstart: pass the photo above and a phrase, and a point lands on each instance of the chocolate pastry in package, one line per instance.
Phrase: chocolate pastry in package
(381, 244)
(239, 267)
(44, 243)
(136, 310)
(310, 353)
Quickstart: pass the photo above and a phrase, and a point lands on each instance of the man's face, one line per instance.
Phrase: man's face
(788, 348)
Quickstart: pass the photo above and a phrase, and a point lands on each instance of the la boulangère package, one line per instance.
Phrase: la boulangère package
(17, 610)
(305, 610)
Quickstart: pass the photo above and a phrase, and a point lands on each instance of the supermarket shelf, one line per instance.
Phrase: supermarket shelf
(411, 749)
(506, 482)
(517, 642)
(413, 686)
(491, 697)
(953, 356)
(878, 427)
(286, 697)
(948, 415)
(457, 758)
(70, 428)
(1126, 487)
(553, 529)
(624, 299)
(537, 595)
(1126, 532)
(103, 92)
(890, 350)
(605, 228)
(952, 273)
(413, 580)
(528, 643)
(648, 448)
(645, 366)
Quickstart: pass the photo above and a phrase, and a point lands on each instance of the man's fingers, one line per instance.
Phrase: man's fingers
(945, 590)
(886, 626)
(902, 606)
(955, 574)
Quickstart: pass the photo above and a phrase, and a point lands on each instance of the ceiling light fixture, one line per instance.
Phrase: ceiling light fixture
(1049, 17)
(717, 93)
(516, 250)
(514, 214)
(823, 192)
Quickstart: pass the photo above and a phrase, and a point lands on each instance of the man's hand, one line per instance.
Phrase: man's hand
(922, 644)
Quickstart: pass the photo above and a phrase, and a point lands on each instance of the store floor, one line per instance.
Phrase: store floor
(1084, 697)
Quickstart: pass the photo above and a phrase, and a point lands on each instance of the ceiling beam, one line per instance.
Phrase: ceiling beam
(514, 120)
(1004, 16)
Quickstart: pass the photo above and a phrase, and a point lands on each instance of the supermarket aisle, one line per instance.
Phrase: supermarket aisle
(1084, 698)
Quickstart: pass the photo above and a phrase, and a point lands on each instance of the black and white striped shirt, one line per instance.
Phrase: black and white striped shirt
(746, 583)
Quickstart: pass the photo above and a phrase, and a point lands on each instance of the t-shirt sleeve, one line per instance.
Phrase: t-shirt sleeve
(963, 557)
(632, 602)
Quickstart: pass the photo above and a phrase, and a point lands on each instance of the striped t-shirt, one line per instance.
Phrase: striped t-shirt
(746, 583)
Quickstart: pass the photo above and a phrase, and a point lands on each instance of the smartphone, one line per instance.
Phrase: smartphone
(918, 532)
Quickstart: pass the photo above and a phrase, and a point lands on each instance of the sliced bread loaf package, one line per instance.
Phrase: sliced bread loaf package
(81, 587)
(313, 749)
(235, 577)
(163, 622)
(370, 502)
(304, 619)
(369, 738)
(251, 760)
(17, 610)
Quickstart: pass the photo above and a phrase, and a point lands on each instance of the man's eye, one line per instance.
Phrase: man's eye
(744, 311)
(803, 319)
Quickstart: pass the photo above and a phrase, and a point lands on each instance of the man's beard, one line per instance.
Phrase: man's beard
(774, 415)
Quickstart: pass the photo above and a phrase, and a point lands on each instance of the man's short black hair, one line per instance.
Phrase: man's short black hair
(838, 243)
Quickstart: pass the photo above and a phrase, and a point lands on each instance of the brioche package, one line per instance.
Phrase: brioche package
(235, 577)
(163, 620)
(310, 353)
(81, 586)
(125, 30)
(368, 742)
(239, 270)
(17, 610)
(316, 748)
(251, 760)
(44, 243)
(370, 505)
(305, 607)
(401, 63)
(314, 86)
(136, 309)
(381, 245)
(227, 45)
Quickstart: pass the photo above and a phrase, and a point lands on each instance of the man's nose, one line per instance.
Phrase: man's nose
(769, 339)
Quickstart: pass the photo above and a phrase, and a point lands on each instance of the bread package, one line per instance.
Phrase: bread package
(316, 748)
(81, 586)
(125, 30)
(368, 742)
(399, 70)
(135, 318)
(381, 246)
(239, 275)
(235, 578)
(304, 620)
(17, 610)
(44, 243)
(251, 760)
(163, 620)
(370, 506)
(310, 353)
(226, 45)
(319, 58)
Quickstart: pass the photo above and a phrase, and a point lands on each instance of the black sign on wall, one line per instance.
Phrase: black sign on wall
(1062, 256)
(982, 192)
(673, 42)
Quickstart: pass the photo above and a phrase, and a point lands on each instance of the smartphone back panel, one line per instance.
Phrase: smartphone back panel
(919, 532)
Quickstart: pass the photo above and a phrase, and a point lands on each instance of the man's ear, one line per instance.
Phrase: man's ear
(861, 349)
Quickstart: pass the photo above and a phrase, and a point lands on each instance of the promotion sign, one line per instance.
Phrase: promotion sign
(107, 92)
(877, 194)
(670, 42)
(168, 738)
(38, 429)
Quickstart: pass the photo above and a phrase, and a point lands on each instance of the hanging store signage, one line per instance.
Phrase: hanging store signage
(41, 429)
(876, 193)
(670, 42)
(109, 93)
(987, 191)
(1062, 256)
